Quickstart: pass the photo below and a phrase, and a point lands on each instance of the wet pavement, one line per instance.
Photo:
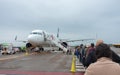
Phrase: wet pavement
(45, 63)
(116, 50)
(7, 72)
(36, 64)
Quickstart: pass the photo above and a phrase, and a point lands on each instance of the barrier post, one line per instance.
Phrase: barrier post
(26, 53)
(73, 68)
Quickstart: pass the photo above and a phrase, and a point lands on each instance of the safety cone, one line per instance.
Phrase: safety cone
(26, 53)
(73, 68)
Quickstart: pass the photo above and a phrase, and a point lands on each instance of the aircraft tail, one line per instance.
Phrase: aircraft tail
(58, 33)
(15, 38)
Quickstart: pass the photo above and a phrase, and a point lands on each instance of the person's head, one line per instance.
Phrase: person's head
(99, 42)
(103, 50)
(92, 44)
(81, 44)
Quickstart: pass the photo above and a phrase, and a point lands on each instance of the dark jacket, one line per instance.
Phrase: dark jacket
(115, 57)
(91, 58)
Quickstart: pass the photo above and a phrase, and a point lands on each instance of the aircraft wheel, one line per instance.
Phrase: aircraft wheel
(42, 49)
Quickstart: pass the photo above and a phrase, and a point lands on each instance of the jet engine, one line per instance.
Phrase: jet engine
(28, 45)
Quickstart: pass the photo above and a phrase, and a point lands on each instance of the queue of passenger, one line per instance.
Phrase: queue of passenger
(94, 54)
(85, 54)
(104, 64)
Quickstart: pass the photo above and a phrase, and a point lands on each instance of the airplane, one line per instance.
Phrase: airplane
(41, 38)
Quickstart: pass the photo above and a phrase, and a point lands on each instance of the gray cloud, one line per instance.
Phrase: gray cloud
(75, 18)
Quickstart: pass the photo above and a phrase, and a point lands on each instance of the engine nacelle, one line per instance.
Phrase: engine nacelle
(28, 45)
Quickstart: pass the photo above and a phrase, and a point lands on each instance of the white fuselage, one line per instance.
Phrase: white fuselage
(39, 38)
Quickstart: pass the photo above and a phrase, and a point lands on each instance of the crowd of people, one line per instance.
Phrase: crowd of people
(98, 59)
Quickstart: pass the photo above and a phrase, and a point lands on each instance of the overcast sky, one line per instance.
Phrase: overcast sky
(77, 19)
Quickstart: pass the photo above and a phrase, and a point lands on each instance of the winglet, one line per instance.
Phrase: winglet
(15, 38)
(58, 33)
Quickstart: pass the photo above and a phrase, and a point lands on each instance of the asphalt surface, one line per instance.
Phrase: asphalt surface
(47, 62)
(44, 63)
(116, 50)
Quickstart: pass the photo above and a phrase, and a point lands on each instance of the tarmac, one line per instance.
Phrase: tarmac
(44, 63)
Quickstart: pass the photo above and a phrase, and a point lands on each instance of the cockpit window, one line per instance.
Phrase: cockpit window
(40, 33)
(36, 33)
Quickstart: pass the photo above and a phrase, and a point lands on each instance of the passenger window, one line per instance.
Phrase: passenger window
(36, 33)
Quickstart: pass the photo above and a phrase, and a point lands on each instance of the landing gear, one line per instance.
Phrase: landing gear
(60, 49)
(31, 48)
(41, 49)
(38, 49)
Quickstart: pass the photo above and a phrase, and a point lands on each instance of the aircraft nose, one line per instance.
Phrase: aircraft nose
(31, 38)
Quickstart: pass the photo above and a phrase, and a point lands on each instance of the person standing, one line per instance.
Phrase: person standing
(104, 64)
(90, 58)
(115, 57)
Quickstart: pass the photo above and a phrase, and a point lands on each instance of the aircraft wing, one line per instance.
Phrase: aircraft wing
(20, 40)
(65, 40)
